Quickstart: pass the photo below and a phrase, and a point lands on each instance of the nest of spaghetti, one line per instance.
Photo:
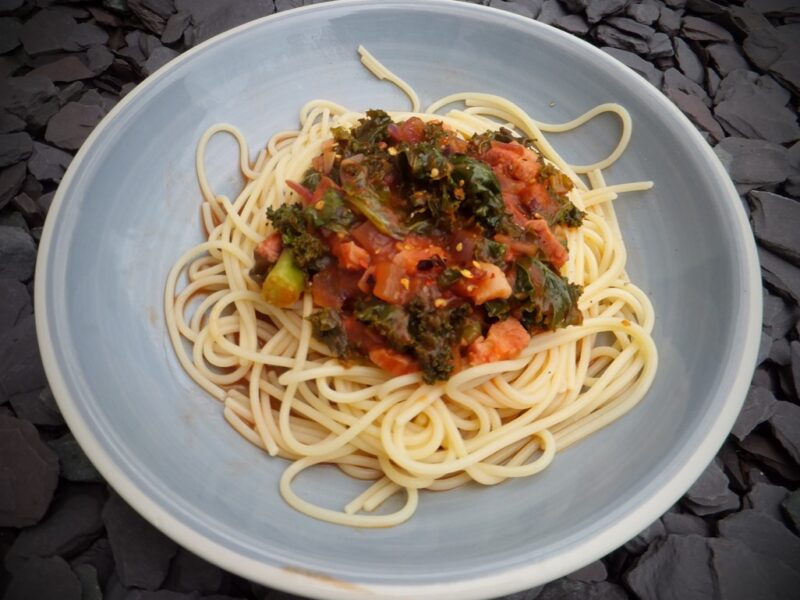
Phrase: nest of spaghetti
(421, 300)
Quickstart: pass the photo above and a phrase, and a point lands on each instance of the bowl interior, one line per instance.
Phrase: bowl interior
(130, 207)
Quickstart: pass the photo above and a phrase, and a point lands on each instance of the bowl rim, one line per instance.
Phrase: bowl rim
(320, 585)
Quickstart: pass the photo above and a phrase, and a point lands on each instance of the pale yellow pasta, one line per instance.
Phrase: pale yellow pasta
(284, 392)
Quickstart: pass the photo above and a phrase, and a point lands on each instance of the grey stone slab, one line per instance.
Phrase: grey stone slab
(513, 7)
(190, 573)
(574, 24)
(597, 10)
(638, 64)
(48, 163)
(74, 464)
(787, 69)
(158, 58)
(794, 350)
(675, 80)
(785, 423)
(776, 223)
(593, 572)
(703, 30)
(175, 26)
(775, 8)
(10, 29)
(15, 147)
(30, 474)
(750, 110)
(153, 13)
(791, 509)
(84, 36)
(726, 58)
(90, 586)
(753, 161)
(742, 574)
(216, 17)
(669, 20)
(42, 579)
(611, 36)
(688, 61)
(765, 345)
(566, 589)
(37, 406)
(646, 12)
(22, 96)
(100, 558)
(17, 255)
(15, 303)
(11, 180)
(66, 69)
(72, 125)
(763, 535)
(685, 524)
(142, 554)
(759, 406)
(643, 539)
(99, 59)
(767, 498)
(676, 567)
(71, 525)
(30, 211)
(47, 31)
(10, 123)
(783, 276)
(697, 112)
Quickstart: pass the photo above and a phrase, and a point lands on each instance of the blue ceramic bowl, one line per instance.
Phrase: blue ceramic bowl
(129, 205)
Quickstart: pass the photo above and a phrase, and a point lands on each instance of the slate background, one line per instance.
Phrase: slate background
(732, 67)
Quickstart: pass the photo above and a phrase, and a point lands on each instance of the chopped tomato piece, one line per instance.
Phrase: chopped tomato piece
(504, 341)
(372, 240)
(549, 244)
(411, 130)
(351, 256)
(393, 362)
(392, 284)
(269, 249)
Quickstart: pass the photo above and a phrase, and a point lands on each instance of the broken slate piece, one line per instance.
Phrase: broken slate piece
(550, 12)
(698, 113)
(615, 38)
(742, 573)
(785, 423)
(791, 508)
(759, 406)
(90, 585)
(763, 535)
(11, 180)
(764, 347)
(595, 571)
(685, 524)
(674, 567)
(99, 59)
(574, 24)
(10, 29)
(776, 223)
(37, 406)
(15, 303)
(767, 498)
(726, 57)
(75, 465)
(10, 123)
(17, 258)
(190, 573)
(22, 96)
(47, 31)
(794, 349)
(30, 211)
(763, 48)
(517, 8)
(639, 544)
(782, 276)
(644, 12)
(141, 553)
(69, 68)
(710, 490)
(597, 10)
(753, 161)
(99, 557)
(688, 62)
(71, 525)
(152, 13)
(226, 15)
(787, 70)
(42, 579)
(30, 474)
(638, 64)
(95, 98)
(702, 30)
(565, 588)
(771, 455)
(14, 148)
(176, 25)
(669, 21)
(750, 110)
(47, 163)
(72, 125)
(674, 79)
(84, 36)
(158, 58)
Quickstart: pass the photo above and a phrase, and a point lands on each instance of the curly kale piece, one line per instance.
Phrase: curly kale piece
(366, 135)
(332, 214)
(309, 252)
(436, 332)
(327, 327)
(481, 189)
(546, 300)
(569, 215)
(390, 320)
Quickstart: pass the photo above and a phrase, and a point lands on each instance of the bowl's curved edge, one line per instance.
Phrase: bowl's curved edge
(296, 579)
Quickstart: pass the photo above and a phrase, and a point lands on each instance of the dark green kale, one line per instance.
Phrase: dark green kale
(327, 326)
(546, 300)
(424, 161)
(480, 143)
(449, 276)
(363, 137)
(487, 250)
(310, 253)
(390, 320)
(436, 332)
(332, 214)
(497, 309)
(311, 179)
(481, 189)
(569, 215)
(370, 199)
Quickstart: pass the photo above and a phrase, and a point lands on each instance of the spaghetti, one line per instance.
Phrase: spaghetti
(286, 393)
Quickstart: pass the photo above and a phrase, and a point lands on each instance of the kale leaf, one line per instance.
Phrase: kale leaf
(327, 326)
(482, 197)
(546, 300)
(310, 253)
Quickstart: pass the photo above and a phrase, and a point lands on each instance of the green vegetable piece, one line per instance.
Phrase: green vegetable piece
(284, 283)
(390, 320)
(449, 276)
(490, 251)
(327, 327)
(470, 331)
(569, 215)
(369, 200)
(483, 199)
(497, 309)
(333, 214)
(310, 253)
(547, 300)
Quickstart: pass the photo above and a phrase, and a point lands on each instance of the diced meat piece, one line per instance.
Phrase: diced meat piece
(514, 160)
(490, 283)
(504, 341)
(333, 286)
(269, 249)
(549, 244)
(393, 362)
